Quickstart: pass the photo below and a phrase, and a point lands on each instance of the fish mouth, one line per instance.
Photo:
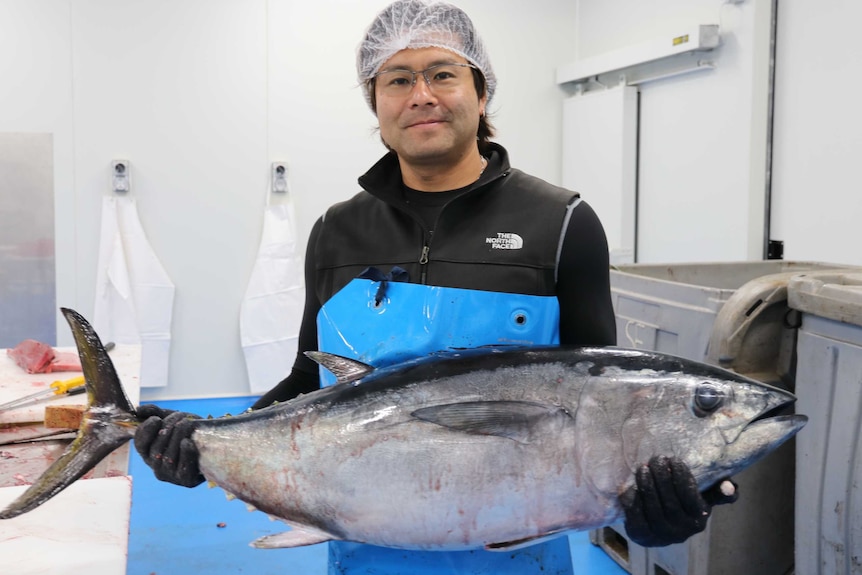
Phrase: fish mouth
(777, 403)
(764, 434)
(777, 411)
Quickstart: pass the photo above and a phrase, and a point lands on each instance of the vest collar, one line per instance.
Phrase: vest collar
(384, 180)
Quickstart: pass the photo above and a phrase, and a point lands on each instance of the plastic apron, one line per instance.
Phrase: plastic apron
(385, 322)
(134, 295)
(271, 310)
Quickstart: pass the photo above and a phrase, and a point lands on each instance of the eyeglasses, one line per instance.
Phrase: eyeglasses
(440, 79)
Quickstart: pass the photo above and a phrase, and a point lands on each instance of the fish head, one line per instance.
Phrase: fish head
(725, 422)
(741, 421)
(716, 421)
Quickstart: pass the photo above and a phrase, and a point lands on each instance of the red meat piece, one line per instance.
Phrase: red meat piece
(32, 356)
(65, 361)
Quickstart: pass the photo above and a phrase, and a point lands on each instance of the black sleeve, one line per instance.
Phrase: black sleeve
(304, 377)
(583, 282)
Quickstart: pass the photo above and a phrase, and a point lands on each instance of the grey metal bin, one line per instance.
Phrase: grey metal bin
(829, 452)
(733, 314)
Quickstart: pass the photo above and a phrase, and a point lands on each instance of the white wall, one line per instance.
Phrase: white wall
(702, 153)
(702, 135)
(201, 96)
(817, 204)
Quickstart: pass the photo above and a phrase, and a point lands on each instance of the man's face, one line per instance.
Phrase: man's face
(426, 125)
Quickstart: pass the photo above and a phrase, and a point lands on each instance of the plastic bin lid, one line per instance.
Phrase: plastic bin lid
(834, 295)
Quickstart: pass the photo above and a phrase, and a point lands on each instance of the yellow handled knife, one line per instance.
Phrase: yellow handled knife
(66, 387)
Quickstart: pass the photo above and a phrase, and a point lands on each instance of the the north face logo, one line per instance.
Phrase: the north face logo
(505, 241)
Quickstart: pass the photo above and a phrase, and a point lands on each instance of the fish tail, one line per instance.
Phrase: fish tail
(107, 424)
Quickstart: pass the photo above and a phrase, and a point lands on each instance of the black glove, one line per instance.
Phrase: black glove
(665, 507)
(163, 441)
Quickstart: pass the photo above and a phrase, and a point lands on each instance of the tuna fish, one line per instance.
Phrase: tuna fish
(481, 448)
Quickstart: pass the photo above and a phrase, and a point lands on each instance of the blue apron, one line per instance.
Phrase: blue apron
(386, 322)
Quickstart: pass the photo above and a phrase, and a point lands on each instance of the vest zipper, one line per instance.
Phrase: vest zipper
(423, 261)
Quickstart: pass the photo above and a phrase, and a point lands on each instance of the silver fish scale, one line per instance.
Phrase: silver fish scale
(396, 480)
(367, 469)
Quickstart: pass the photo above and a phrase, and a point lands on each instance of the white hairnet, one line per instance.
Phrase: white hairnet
(420, 24)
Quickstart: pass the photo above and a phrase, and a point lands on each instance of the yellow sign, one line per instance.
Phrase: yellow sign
(680, 40)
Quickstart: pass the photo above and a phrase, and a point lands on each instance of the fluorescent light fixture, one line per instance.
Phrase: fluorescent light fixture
(699, 38)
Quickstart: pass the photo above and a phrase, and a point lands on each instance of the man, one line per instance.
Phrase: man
(516, 259)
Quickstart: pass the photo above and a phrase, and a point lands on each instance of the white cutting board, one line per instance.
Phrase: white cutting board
(84, 529)
(15, 383)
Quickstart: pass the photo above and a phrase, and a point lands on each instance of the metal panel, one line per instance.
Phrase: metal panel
(27, 277)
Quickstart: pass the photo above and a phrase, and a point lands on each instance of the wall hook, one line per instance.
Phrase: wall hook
(279, 177)
(121, 176)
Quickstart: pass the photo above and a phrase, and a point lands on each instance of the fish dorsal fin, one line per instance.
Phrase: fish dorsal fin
(521, 421)
(344, 368)
(292, 538)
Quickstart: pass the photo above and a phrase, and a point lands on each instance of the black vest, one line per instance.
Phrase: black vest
(502, 235)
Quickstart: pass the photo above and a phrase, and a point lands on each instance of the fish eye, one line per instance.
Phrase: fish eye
(707, 398)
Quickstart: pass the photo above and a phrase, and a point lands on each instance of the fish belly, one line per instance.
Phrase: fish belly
(407, 483)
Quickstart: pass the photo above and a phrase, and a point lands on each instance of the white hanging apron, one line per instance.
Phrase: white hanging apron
(271, 311)
(134, 295)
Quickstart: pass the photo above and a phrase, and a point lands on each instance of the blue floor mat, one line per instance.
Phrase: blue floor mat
(175, 530)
